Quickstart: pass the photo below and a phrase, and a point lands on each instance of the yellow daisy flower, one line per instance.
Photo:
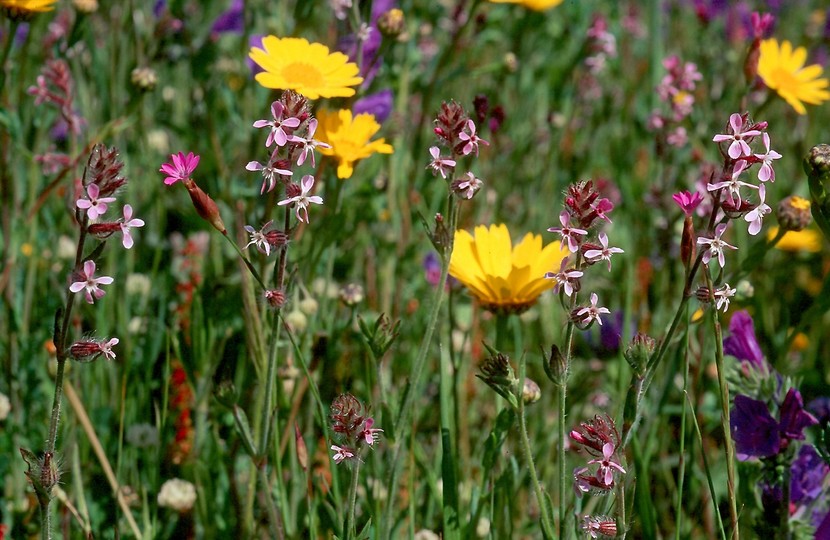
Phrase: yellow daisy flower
(806, 240)
(25, 9)
(536, 5)
(308, 68)
(503, 278)
(349, 138)
(782, 69)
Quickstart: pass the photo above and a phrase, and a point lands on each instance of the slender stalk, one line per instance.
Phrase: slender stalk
(681, 466)
(562, 427)
(348, 529)
(449, 455)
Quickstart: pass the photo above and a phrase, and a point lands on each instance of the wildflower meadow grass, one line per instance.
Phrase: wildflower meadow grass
(380, 269)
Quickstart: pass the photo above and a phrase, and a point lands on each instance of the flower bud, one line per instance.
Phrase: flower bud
(351, 294)
(687, 242)
(225, 393)
(391, 23)
(638, 352)
(144, 78)
(531, 393)
(556, 366)
(794, 213)
(275, 298)
(205, 206)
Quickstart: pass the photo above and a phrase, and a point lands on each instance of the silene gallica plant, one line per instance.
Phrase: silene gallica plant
(388, 269)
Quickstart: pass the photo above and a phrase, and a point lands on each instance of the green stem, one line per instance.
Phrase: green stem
(547, 523)
(681, 466)
(449, 458)
(562, 412)
(274, 522)
(348, 529)
(5, 54)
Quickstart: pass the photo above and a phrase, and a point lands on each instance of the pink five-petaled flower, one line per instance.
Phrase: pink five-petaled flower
(341, 453)
(607, 466)
(308, 144)
(467, 185)
(259, 239)
(739, 147)
(128, 223)
(756, 216)
(570, 234)
(181, 168)
(94, 206)
(88, 349)
(687, 201)
(471, 139)
(722, 295)
(89, 283)
(733, 185)
(588, 314)
(270, 173)
(439, 164)
(303, 200)
(368, 433)
(766, 172)
(564, 278)
(715, 246)
(604, 254)
(277, 133)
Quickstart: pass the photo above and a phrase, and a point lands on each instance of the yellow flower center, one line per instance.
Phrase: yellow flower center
(301, 73)
(800, 203)
(785, 80)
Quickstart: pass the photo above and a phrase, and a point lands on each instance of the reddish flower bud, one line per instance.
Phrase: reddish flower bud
(205, 206)
(275, 298)
(688, 242)
(292, 190)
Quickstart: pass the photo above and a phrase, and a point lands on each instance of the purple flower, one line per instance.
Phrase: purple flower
(823, 530)
(378, 105)
(758, 434)
(742, 343)
(821, 408)
(255, 40)
(230, 20)
(180, 167)
(807, 476)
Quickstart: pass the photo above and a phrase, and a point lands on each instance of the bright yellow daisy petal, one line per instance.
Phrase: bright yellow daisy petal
(503, 277)
(23, 10)
(307, 68)
(805, 240)
(536, 5)
(349, 138)
(782, 69)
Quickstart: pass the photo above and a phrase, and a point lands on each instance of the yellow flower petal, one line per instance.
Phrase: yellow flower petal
(782, 69)
(537, 5)
(349, 138)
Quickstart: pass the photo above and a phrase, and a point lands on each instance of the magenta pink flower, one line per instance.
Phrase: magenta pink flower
(94, 206)
(756, 216)
(303, 199)
(607, 466)
(471, 139)
(181, 167)
(128, 223)
(687, 202)
(277, 133)
(738, 146)
(368, 433)
(570, 235)
(88, 283)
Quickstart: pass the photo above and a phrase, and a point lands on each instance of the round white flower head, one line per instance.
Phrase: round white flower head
(5, 406)
(177, 494)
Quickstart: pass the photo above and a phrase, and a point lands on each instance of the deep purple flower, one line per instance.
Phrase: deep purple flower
(255, 40)
(758, 434)
(159, 7)
(823, 530)
(230, 20)
(378, 104)
(807, 476)
(820, 407)
(742, 343)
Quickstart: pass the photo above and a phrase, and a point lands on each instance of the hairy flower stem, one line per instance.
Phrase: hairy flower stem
(724, 398)
(402, 423)
(541, 499)
(562, 412)
(348, 528)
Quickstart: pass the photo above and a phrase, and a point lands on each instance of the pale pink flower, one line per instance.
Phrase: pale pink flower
(440, 165)
(106, 348)
(715, 245)
(733, 186)
(766, 171)
(341, 453)
(722, 295)
(467, 185)
(604, 254)
(570, 235)
(126, 224)
(368, 433)
(308, 144)
(277, 133)
(738, 147)
(270, 173)
(607, 466)
(303, 199)
(181, 167)
(471, 139)
(756, 216)
(94, 206)
(89, 283)
(259, 239)
(588, 314)
(566, 279)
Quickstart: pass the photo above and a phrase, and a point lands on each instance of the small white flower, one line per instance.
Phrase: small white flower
(178, 495)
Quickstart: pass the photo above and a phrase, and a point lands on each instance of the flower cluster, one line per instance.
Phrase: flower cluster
(352, 426)
(457, 132)
(600, 439)
(676, 91)
(584, 210)
(601, 43)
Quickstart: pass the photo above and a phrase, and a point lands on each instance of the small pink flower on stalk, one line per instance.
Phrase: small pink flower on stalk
(604, 254)
(715, 245)
(88, 350)
(181, 167)
(128, 223)
(567, 279)
(607, 466)
(266, 240)
(87, 282)
(585, 316)
(303, 199)
(599, 527)
(570, 235)
(733, 186)
(756, 216)
(467, 186)
(94, 206)
(440, 165)
(341, 453)
(687, 201)
(722, 295)
(308, 144)
(369, 434)
(278, 134)
(738, 146)
(270, 173)
(471, 139)
(766, 171)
